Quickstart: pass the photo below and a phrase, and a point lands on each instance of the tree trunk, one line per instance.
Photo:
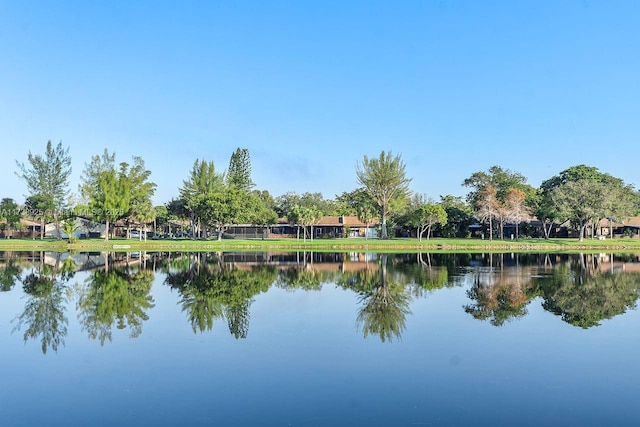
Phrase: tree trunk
(106, 230)
(490, 228)
(383, 231)
(56, 223)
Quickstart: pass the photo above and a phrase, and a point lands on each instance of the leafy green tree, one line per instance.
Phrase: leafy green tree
(141, 190)
(307, 217)
(223, 208)
(11, 213)
(385, 180)
(426, 216)
(580, 201)
(615, 198)
(69, 227)
(48, 177)
(239, 173)
(177, 209)
(502, 180)
(260, 210)
(459, 217)
(106, 190)
(40, 206)
(359, 203)
(203, 179)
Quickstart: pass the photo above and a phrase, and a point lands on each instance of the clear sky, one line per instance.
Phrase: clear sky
(310, 87)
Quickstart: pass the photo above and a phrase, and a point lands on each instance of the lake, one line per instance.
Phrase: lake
(319, 339)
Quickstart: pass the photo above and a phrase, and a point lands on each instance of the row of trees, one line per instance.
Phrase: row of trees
(210, 201)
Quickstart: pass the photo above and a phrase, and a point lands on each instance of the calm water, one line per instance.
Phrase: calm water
(300, 339)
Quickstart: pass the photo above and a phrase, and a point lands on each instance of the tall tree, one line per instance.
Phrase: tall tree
(516, 209)
(615, 198)
(203, 179)
(239, 173)
(141, 209)
(48, 175)
(502, 180)
(487, 206)
(224, 207)
(385, 180)
(579, 201)
(106, 190)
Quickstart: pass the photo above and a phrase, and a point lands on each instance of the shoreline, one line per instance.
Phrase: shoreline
(325, 245)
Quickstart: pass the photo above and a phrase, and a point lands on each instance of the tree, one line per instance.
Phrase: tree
(579, 201)
(502, 180)
(515, 207)
(141, 190)
(385, 180)
(359, 203)
(616, 199)
(239, 173)
(39, 206)
(203, 179)
(69, 227)
(11, 213)
(48, 176)
(487, 206)
(223, 207)
(426, 216)
(459, 217)
(107, 190)
(307, 216)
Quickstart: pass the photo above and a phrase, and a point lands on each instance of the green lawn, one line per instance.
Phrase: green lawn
(391, 245)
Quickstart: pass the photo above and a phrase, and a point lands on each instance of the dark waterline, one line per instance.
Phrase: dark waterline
(308, 339)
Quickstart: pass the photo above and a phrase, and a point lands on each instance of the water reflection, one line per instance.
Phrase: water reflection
(212, 289)
(584, 290)
(118, 296)
(44, 316)
(115, 290)
(10, 271)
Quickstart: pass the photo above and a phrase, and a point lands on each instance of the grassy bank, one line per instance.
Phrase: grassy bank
(372, 245)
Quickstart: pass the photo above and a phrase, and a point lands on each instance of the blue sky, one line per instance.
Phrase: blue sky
(310, 87)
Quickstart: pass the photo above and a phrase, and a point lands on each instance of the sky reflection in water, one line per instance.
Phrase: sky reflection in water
(319, 339)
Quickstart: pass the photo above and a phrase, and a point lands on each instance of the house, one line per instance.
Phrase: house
(327, 227)
(629, 227)
(85, 228)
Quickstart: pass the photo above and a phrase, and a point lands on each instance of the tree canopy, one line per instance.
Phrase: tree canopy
(385, 180)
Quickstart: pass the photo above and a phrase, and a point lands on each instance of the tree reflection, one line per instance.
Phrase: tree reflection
(120, 296)
(500, 294)
(9, 273)
(44, 312)
(211, 289)
(384, 301)
(582, 295)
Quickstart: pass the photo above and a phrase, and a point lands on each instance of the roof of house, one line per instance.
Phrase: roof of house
(337, 221)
